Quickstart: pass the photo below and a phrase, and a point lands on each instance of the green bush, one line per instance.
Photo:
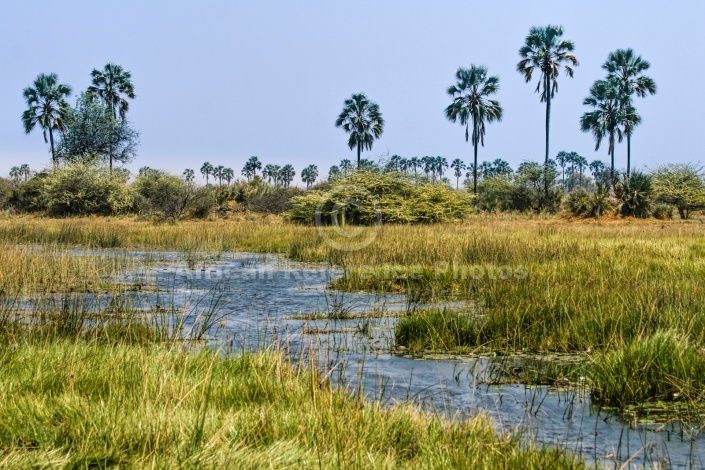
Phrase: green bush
(163, 196)
(581, 203)
(496, 194)
(275, 201)
(663, 211)
(362, 197)
(635, 195)
(84, 190)
(681, 185)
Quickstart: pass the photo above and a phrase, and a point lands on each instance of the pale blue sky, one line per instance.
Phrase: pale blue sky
(224, 80)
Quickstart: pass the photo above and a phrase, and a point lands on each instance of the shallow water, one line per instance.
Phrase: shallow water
(257, 301)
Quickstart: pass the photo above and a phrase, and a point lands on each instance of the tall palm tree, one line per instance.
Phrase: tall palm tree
(606, 117)
(114, 85)
(546, 52)
(46, 106)
(471, 104)
(207, 170)
(458, 166)
(562, 159)
(189, 175)
(628, 68)
(362, 120)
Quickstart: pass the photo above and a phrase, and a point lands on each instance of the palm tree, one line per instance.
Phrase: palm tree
(458, 166)
(606, 117)
(562, 159)
(114, 85)
(228, 175)
(189, 175)
(627, 68)
(415, 164)
(362, 120)
(15, 173)
(309, 175)
(581, 163)
(471, 103)
(441, 165)
(46, 106)
(218, 173)
(333, 172)
(207, 170)
(501, 167)
(25, 171)
(287, 174)
(345, 165)
(545, 51)
(251, 167)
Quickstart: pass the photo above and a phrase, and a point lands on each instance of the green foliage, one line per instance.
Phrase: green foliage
(663, 366)
(162, 195)
(362, 119)
(93, 135)
(581, 203)
(274, 201)
(113, 85)
(663, 211)
(634, 195)
(362, 196)
(496, 194)
(85, 190)
(681, 185)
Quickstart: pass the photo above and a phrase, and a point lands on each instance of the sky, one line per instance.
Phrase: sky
(220, 81)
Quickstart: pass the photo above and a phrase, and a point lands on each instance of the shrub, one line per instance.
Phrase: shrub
(634, 195)
(162, 195)
(681, 185)
(274, 201)
(580, 203)
(496, 194)
(363, 196)
(84, 190)
(663, 211)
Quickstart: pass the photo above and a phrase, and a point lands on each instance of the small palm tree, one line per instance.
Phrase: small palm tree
(545, 51)
(15, 173)
(501, 167)
(228, 175)
(361, 119)
(415, 164)
(346, 166)
(114, 85)
(581, 163)
(627, 68)
(189, 175)
(606, 117)
(309, 175)
(471, 104)
(458, 166)
(46, 106)
(333, 172)
(562, 159)
(207, 170)
(25, 171)
(441, 166)
(218, 173)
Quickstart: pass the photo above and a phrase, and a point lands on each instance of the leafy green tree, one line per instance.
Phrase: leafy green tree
(46, 106)
(627, 68)
(546, 52)
(163, 196)
(458, 166)
(361, 119)
(207, 170)
(309, 175)
(606, 117)
(681, 185)
(286, 175)
(472, 105)
(114, 86)
(92, 134)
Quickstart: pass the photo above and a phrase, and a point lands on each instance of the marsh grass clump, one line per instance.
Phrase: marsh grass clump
(663, 366)
(437, 330)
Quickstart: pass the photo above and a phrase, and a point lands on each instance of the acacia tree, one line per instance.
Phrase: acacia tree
(545, 51)
(472, 105)
(46, 106)
(627, 68)
(361, 119)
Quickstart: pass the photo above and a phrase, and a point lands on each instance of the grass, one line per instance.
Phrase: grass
(82, 387)
(80, 404)
(540, 285)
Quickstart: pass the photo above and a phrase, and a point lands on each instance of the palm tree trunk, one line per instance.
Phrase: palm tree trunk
(359, 149)
(548, 121)
(474, 144)
(629, 152)
(612, 169)
(51, 142)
